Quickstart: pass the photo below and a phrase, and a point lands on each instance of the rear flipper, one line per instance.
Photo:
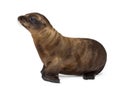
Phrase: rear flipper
(89, 75)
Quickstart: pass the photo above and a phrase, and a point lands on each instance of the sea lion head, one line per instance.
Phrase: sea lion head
(34, 21)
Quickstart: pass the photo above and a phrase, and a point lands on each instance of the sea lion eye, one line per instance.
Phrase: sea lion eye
(33, 20)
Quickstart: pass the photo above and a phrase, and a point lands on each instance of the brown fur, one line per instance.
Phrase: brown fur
(59, 54)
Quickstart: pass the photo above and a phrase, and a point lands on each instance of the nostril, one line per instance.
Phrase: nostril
(22, 18)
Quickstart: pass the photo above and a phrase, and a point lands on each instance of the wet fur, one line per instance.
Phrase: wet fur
(59, 54)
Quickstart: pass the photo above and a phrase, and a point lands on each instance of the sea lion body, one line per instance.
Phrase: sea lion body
(59, 54)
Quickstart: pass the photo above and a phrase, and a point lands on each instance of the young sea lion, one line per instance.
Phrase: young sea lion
(59, 54)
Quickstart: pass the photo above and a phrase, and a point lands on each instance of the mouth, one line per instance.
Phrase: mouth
(23, 21)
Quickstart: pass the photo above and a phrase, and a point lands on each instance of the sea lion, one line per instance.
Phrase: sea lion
(59, 54)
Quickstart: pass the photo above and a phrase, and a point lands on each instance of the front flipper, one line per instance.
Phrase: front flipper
(51, 78)
(51, 70)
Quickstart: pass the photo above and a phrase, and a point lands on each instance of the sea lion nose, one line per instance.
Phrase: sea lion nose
(21, 18)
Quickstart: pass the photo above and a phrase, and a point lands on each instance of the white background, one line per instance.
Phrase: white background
(20, 64)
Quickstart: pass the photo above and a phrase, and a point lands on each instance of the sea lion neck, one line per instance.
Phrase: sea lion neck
(45, 37)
